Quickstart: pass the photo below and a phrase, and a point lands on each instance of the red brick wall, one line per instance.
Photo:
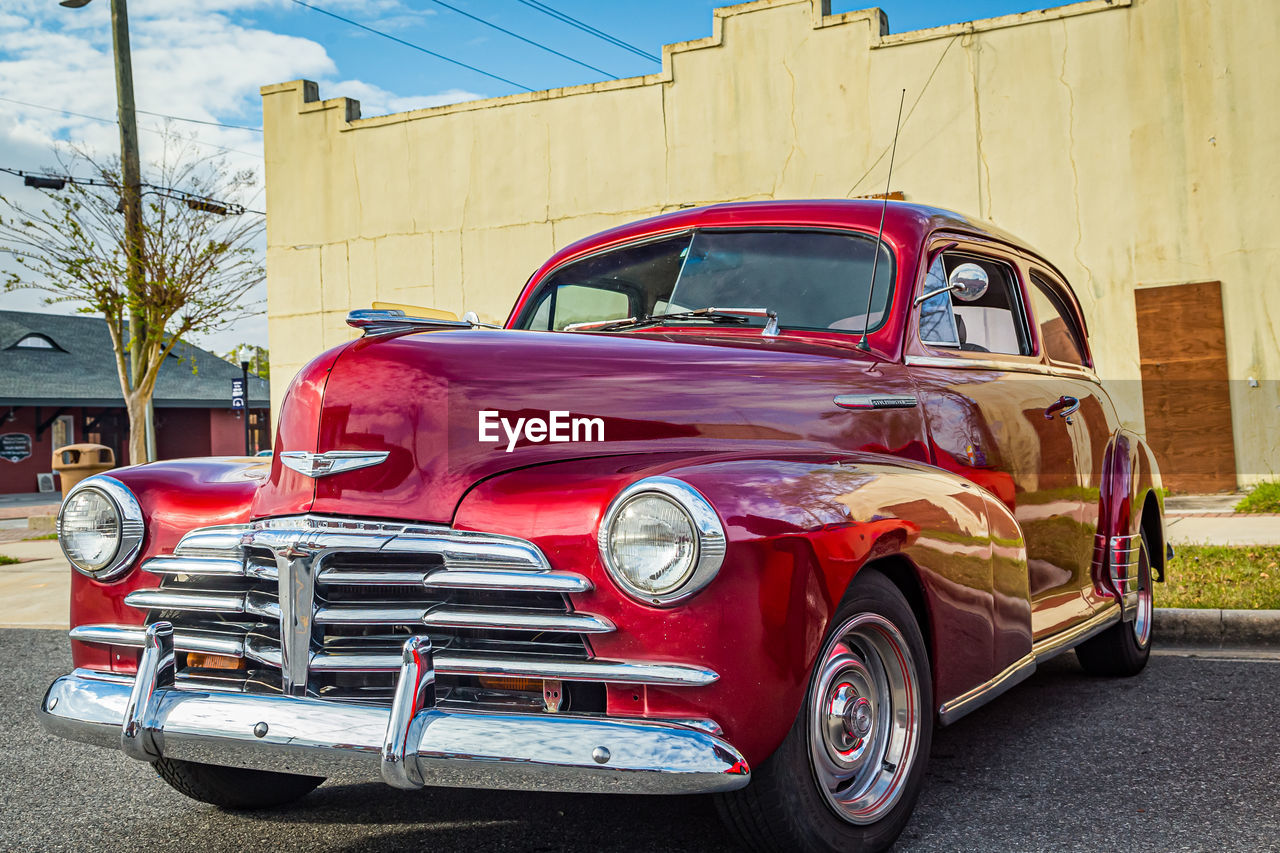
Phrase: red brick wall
(20, 477)
(181, 433)
(226, 433)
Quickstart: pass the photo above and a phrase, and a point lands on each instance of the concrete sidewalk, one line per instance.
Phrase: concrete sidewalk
(36, 593)
(1212, 520)
(1237, 529)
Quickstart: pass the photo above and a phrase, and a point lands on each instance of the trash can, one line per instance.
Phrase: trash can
(75, 462)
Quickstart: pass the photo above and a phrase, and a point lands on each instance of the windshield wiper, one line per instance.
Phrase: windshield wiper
(715, 315)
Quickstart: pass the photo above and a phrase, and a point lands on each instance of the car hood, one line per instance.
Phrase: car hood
(423, 399)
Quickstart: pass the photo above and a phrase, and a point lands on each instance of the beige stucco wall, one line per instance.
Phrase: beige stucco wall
(1132, 141)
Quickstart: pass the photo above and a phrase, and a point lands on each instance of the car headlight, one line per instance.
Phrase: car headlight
(661, 540)
(100, 527)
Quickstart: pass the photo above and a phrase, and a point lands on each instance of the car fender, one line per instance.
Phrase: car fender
(175, 497)
(799, 528)
(1132, 497)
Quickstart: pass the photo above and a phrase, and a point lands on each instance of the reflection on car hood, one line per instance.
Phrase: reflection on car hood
(424, 399)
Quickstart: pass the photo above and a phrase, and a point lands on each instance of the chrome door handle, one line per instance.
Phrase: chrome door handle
(1065, 406)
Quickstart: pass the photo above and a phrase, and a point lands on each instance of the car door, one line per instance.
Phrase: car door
(990, 409)
(1058, 325)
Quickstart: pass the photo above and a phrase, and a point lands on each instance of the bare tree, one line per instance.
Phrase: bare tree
(200, 259)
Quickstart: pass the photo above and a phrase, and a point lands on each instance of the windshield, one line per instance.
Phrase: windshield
(812, 279)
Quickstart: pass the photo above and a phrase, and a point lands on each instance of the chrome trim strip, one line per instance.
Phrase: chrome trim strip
(139, 731)
(214, 567)
(132, 636)
(296, 566)
(1019, 670)
(222, 541)
(519, 666)
(554, 752)
(385, 321)
(205, 601)
(875, 401)
(447, 663)
(1060, 642)
(487, 579)
(971, 700)
(463, 552)
(1017, 363)
(461, 617)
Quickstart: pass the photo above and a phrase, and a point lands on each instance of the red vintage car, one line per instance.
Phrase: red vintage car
(743, 499)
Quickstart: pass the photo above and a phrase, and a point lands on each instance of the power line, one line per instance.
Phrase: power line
(144, 112)
(50, 181)
(536, 44)
(587, 28)
(201, 121)
(410, 44)
(113, 121)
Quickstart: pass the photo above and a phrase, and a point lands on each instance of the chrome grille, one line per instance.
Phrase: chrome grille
(322, 606)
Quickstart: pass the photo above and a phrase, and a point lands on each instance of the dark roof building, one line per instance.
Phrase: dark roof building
(48, 359)
(58, 385)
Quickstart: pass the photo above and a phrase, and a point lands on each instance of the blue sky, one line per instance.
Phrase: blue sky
(206, 59)
(646, 25)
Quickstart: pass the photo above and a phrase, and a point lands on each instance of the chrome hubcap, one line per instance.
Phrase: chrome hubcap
(1146, 600)
(865, 718)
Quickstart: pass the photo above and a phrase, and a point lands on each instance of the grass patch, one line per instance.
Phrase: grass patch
(1264, 497)
(41, 537)
(6, 560)
(1245, 577)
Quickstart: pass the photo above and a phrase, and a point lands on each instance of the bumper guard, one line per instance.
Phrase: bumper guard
(410, 745)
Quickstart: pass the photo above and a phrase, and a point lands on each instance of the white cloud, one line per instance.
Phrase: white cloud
(200, 59)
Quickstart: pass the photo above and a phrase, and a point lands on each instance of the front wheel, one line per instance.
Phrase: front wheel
(234, 788)
(847, 776)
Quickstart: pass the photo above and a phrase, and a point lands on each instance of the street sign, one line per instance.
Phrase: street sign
(237, 394)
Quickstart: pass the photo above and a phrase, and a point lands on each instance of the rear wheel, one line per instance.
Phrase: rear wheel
(848, 773)
(234, 787)
(1123, 649)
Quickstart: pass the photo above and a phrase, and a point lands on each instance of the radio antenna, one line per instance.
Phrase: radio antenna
(884, 204)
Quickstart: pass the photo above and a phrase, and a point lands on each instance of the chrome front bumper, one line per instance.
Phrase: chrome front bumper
(409, 745)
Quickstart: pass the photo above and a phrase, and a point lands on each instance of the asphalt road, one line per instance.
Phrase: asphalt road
(1183, 757)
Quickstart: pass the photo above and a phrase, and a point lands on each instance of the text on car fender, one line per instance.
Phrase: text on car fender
(556, 427)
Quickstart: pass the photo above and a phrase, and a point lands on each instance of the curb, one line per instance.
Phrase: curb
(1217, 628)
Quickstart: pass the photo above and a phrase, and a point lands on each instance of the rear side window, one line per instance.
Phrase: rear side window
(1059, 334)
(990, 322)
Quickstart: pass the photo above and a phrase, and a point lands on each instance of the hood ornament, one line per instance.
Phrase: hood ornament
(334, 462)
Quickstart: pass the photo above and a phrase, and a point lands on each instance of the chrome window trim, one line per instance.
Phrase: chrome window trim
(1020, 311)
(1056, 282)
(705, 521)
(133, 528)
(528, 309)
(1036, 367)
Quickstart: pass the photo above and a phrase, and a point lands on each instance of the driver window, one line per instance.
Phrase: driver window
(977, 318)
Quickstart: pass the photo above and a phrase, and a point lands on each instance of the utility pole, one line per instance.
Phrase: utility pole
(132, 196)
(245, 355)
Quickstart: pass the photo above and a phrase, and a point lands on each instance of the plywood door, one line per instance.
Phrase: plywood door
(1182, 344)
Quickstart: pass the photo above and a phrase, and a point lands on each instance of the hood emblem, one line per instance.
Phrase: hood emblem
(334, 462)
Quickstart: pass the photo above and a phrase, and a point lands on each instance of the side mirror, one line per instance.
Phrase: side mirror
(968, 282)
